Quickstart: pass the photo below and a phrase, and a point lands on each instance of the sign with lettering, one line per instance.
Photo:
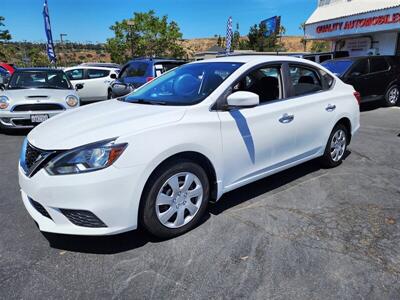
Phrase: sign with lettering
(388, 19)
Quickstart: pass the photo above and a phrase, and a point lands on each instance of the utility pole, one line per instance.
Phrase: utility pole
(61, 43)
(131, 24)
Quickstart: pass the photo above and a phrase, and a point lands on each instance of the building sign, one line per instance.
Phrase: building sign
(272, 25)
(382, 20)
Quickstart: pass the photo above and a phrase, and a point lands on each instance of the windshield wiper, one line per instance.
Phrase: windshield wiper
(143, 101)
(49, 87)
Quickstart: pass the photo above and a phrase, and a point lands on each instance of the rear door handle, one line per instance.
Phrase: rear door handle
(286, 118)
(330, 107)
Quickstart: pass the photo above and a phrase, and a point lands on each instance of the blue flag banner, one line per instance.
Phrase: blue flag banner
(50, 45)
(229, 35)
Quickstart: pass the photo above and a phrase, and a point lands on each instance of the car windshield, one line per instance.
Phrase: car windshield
(338, 67)
(46, 79)
(185, 85)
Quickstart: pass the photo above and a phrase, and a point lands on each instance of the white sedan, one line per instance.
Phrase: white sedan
(93, 81)
(156, 158)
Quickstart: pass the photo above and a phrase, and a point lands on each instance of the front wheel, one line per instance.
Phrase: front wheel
(336, 147)
(392, 96)
(175, 199)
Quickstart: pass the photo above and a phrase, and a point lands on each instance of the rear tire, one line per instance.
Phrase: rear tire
(336, 147)
(392, 96)
(109, 95)
(175, 199)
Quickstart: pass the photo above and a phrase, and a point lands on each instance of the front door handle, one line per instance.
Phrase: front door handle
(330, 107)
(286, 118)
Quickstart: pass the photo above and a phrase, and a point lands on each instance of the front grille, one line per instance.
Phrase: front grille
(22, 122)
(33, 159)
(83, 218)
(40, 208)
(38, 107)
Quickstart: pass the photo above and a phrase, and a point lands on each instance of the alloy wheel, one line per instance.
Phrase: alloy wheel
(338, 145)
(394, 95)
(179, 200)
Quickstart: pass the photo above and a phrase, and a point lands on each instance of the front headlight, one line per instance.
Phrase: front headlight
(4, 102)
(87, 158)
(72, 100)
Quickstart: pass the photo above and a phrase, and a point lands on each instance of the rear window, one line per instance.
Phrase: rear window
(338, 67)
(378, 64)
(135, 69)
(325, 57)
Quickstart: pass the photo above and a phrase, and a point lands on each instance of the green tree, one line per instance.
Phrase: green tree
(303, 40)
(258, 41)
(236, 38)
(219, 42)
(320, 46)
(145, 34)
(4, 34)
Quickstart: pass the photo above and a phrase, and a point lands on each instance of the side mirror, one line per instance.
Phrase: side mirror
(113, 76)
(78, 86)
(243, 99)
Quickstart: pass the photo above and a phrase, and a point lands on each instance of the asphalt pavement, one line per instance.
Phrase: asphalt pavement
(306, 233)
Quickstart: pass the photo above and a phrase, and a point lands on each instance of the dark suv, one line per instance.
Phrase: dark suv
(374, 77)
(137, 72)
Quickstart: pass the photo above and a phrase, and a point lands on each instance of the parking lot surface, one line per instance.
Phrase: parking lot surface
(306, 233)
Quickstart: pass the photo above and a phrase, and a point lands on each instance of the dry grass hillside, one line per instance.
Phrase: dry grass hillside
(290, 43)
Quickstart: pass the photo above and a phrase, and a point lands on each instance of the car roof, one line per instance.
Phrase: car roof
(355, 58)
(156, 60)
(254, 59)
(38, 69)
(90, 67)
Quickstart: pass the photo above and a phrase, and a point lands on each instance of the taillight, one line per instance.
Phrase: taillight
(357, 95)
(150, 78)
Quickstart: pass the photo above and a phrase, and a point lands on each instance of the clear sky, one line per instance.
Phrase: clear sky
(89, 20)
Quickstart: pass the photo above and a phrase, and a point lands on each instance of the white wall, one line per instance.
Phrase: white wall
(385, 44)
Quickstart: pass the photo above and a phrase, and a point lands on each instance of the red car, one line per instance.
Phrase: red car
(10, 69)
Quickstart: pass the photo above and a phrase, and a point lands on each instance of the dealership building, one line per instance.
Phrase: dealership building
(362, 27)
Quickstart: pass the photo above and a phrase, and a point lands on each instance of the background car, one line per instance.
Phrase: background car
(139, 71)
(94, 81)
(374, 77)
(324, 56)
(4, 76)
(7, 67)
(157, 157)
(34, 95)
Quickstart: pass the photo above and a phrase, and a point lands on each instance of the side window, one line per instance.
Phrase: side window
(329, 80)
(266, 82)
(378, 64)
(97, 73)
(360, 68)
(76, 74)
(304, 80)
(161, 68)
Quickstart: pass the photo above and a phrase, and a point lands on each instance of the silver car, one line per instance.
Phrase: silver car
(34, 95)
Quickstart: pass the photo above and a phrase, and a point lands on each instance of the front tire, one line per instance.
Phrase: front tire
(336, 147)
(392, 96)
(175, 199)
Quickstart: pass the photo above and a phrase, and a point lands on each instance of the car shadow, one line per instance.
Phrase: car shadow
(131, 240)
(111, 244)
(265, 185)
(370, 106)
(15, 132)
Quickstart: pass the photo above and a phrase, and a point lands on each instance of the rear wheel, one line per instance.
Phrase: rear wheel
(392, 96)
(175, 199)
(109, 95)
(336, 147)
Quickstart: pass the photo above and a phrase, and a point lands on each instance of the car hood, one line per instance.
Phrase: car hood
(38, 95)
(100, 121)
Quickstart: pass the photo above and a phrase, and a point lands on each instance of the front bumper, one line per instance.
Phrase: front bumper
(22, 119)
(110, 195)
